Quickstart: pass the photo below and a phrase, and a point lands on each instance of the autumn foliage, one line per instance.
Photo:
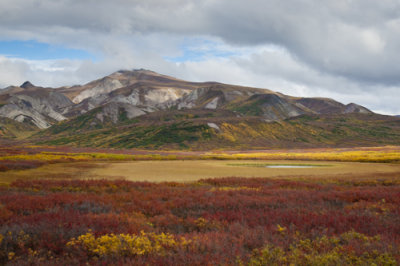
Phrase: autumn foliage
(229, 221)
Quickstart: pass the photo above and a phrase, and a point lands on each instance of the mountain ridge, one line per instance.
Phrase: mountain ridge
(196, 112)
(149, 91)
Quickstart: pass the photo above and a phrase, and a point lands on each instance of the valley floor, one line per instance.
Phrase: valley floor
(193, 170)
(181, 208)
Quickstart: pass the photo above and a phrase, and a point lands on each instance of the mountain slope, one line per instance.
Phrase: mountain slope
(140, 92)
(10, 128)
(202, 129)
(120, 79)
(145, 109)
(41, 107)
(149, 92)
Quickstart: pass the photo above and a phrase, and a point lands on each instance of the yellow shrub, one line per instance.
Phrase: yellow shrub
(324, 251)
(329, 155)
(11, 255)
(234, 188)
(201, 222)
(128, 245)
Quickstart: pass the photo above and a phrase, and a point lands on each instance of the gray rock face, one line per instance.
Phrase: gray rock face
(147, 99)
(213, 104)
(113, 112)
(274, 107)
(281, 110)
(139, 92)
(214, 126)
(26, 115)
(105, 86)
(355, 108)
(27, 85)
(189, 100)
(41, 107)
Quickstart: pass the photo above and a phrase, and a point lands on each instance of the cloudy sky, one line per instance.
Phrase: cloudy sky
(345, 49)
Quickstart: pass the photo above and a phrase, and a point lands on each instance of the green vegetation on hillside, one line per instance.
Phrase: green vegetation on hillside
(191, 130)
(178, 135)
(15, 130)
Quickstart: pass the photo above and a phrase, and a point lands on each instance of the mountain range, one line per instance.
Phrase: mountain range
(144, 109)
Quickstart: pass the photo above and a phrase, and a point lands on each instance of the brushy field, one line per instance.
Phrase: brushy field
(193, 170)
(52, 216)
(373, 154)
(31, 157)
(59, 154)
(226, 221)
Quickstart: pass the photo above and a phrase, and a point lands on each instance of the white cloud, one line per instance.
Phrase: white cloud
(373, 41)
(348, 50)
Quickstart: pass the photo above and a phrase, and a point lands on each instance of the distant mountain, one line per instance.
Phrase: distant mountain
(141, 91)
(141, 108)
(34, 105)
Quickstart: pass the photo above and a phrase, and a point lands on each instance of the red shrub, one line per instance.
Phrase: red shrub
(225, 219)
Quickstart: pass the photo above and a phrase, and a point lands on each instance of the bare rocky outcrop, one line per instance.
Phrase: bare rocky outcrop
(39, 106)
(355, 108)
(140, 92)
(114, 112)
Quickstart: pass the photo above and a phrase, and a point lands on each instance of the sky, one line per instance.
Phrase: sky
(348, 50)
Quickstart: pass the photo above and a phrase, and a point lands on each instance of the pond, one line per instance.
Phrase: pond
(268, 165)
(292, 166)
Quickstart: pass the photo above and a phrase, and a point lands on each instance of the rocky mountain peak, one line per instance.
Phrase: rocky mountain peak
(140, 91)
(27, 85)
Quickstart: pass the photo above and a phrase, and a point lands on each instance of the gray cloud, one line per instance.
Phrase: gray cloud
(348, 49)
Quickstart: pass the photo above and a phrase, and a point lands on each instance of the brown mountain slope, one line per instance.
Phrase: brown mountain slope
(140, 92)
(202, 129)
(124, 78)
(145, 109)
(10, 128)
